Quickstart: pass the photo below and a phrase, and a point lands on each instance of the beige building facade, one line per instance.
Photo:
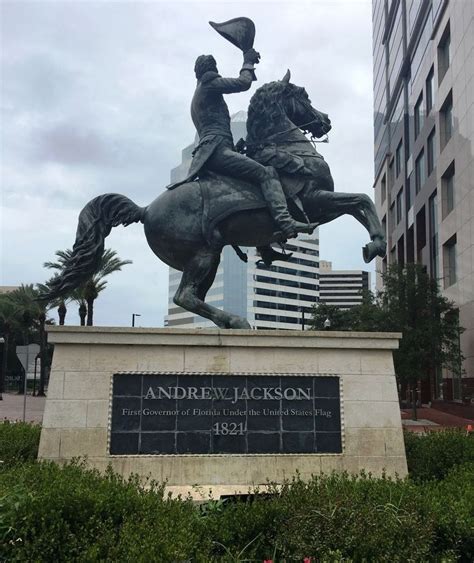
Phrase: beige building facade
(423, 53)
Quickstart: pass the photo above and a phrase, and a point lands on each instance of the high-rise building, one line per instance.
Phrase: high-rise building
(423, 55)
(280, 296)
(341, 288)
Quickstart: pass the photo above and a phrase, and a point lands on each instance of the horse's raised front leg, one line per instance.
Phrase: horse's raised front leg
(366, 214)
(334, 204)
(198, 276)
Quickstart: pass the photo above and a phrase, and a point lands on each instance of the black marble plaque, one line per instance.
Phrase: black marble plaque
(225, 414)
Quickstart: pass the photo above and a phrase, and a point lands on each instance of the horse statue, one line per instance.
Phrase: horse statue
(188, 227)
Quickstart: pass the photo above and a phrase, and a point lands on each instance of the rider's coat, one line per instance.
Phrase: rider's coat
(210, 115)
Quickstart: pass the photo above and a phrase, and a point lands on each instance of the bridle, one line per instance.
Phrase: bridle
(312, 140)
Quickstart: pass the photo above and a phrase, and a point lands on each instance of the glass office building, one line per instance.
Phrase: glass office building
(423, 81)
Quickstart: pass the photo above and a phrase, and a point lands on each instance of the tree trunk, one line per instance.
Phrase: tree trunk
(42, 338)
(90, 312)
(62, 310)
(21, 384)
(3, 373)
(83, 313)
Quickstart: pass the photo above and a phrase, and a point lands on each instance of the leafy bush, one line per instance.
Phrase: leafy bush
(363, 518)
(53, 513)
(452, 501)
(342, 517)
(433, 455)
(19, 442)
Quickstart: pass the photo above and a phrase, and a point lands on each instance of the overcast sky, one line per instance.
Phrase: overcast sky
(95, 98)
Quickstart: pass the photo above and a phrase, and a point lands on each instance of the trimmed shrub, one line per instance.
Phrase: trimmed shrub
(433, 455)
(61, 513)
(361, 518)
(19, 442)
(53, 513)
(452, 502)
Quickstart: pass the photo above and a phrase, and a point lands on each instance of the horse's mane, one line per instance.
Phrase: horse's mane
(264, 109)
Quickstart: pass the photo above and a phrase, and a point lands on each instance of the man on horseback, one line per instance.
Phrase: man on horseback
(216, 152)
(174, 223)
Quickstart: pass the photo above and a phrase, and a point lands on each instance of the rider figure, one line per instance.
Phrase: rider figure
(216, 151)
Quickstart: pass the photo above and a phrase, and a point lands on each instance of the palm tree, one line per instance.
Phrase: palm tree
(89, 291)
(30, 315)
(8, 323)
(62, 259)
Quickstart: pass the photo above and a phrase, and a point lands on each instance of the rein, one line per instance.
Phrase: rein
(291, 129)
(313, 140)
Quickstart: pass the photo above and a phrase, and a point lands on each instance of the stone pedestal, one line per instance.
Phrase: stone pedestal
(79, 413)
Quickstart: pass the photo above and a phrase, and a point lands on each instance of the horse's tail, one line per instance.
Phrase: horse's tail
(95, 223)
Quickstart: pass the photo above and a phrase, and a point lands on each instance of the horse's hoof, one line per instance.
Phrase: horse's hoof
(238, 322)
(378, 247)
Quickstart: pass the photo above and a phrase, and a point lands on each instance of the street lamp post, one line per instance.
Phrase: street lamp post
(133, 318)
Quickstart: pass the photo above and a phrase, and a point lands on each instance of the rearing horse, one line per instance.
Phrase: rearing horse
(279, 114)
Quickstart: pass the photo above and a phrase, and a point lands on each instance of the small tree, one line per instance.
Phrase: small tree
(428, 321)
(31, 316)
(86, 295)
(339, 319)
(410, 303)
(8, 324)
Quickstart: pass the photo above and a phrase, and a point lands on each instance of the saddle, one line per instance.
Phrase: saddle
(224, 196)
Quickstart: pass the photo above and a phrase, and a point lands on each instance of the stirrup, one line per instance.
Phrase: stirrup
(270, 255)
(303, 228)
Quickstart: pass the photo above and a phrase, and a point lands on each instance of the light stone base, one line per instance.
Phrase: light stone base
(76, 418)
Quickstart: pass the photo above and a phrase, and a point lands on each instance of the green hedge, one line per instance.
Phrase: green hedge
(62, 513)
(54, 513)
(19, 442)
(433, 455)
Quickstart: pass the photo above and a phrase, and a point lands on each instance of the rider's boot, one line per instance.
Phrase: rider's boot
(269, 255)
(273, 193)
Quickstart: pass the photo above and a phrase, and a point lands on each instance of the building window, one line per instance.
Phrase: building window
(383, 188)
(419, 115)
(449, 262)
(393, 255)
(431, 151)
(401, 251)
(398, 159)
(399, 206)
(433, 223)
(391, 175)
(444, 53)
(447, 189)
(408, 193)
(391, 217)
(446, 120)
(420, 176)
(429, 91)
(420, 233)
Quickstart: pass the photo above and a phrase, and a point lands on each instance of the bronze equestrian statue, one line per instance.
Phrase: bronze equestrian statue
(282, 186)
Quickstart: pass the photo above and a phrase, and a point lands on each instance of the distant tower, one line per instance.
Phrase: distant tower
(270, 298)
(341, 288)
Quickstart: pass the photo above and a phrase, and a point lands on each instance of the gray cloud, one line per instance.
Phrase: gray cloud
(95, 98)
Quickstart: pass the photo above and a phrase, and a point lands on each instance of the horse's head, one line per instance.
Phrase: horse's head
(299, 110)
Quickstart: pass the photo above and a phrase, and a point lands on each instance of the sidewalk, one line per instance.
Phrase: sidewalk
(11, 407)
(432, 419)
